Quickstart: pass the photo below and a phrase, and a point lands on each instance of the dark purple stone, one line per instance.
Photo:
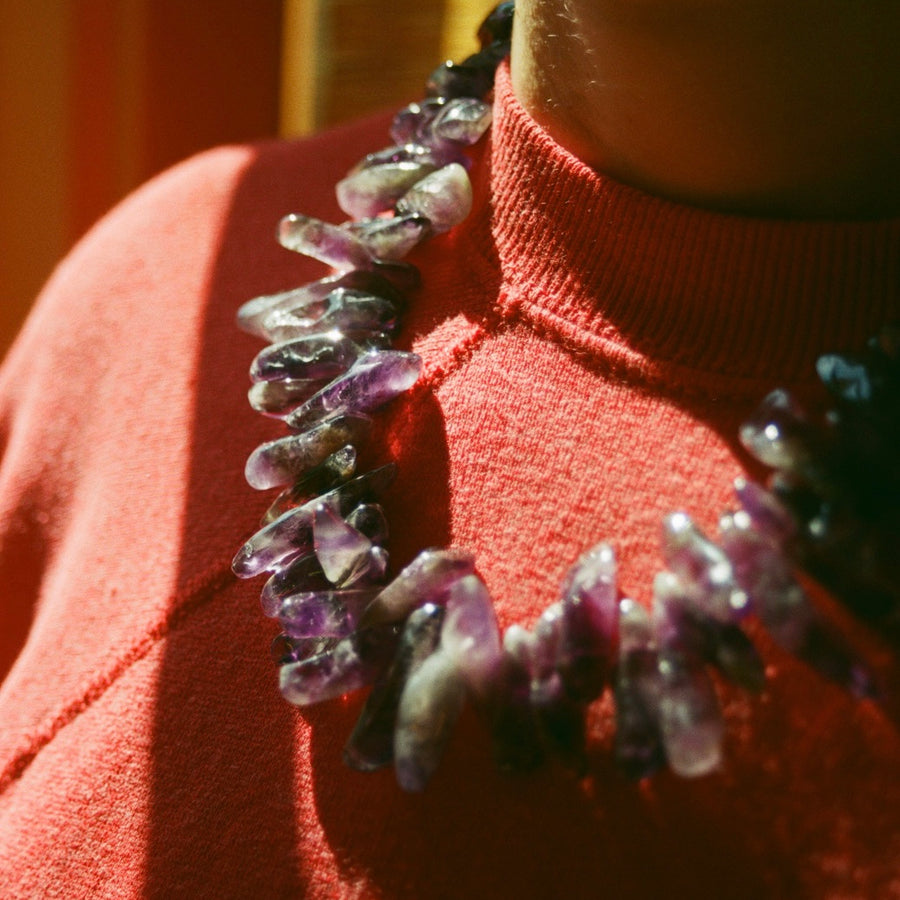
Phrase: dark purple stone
(497, 26)
(329, 613)
(473, 77)
(348, 665)
(316, 357)
(371, 745)
(303, 574)
(369, 518)
(279, 398)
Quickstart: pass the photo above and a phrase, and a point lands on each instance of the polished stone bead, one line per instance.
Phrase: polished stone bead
(393, 237)
(588, 624)
(285, 459)
(279, 398)
(689, 716)
(373, 380)
(703, 568)
(722, 644)
(337, 468)
(315, 357)
(303, 574)
(374, 189)
(638, 746)
(311, 614)
(778, 434)
(341, 549)
(289, 536)
(363, 317)
(473, 77)
(369, 518)
(320, 240)
(285, 649)
(408, 152)
(349, 664)
(429, 709)
(412, 124)
(786, 611)
(768, 514)
(470, 634)
(444, 198)
(462, 121)
(427, 579)
(497, 26)
(371, 745)
(378, 282)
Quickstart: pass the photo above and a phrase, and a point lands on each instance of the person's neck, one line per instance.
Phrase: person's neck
(786, 108)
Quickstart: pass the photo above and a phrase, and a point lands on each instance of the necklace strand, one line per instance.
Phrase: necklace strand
(428, 640)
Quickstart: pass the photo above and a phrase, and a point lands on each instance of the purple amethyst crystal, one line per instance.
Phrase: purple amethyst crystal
(786, 611)
(703, 568)
(328, 243)
(369, 518)
(407, 152)
(314, 357)
(322, 613)
(412, 124)
(462, 121)
(638, 745)
(688, 710)
(429, 708)
(778, 434)
(337, 468)
(588, 624)
(303, 574)
(444, 198)
(768, 514)
(284, 460)
(286, 649)
(373, 380)
(470, 635)
(278, 398)
(393, 237)
(349, 664)
(342, 550)
(290, 535)
(371, 745)
(374, 189)
(361, 316)
(427, 579)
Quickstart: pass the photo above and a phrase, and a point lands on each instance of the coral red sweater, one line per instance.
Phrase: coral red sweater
(589, 354)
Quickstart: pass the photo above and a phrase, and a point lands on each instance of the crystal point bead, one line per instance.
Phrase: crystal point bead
(279, 398)
(429, 708)
(369, 518)
(312, 614)
(638, 747)
(391, 238)
(341, 549)
(497, 26)
(320, 240)
(703, 568)
(362, 316)
(588, 624)
(285, 459)
(427, 579)
(334, 470)
(371, 745)
(470, 634)
(374, 189)
(412, 124)
(514, 727)
(444, 198)
(314, 357)
(280, 542)
(689, 716)
(347, 665)
(462, 121)
(373, 380)
(303, 574)
(778, 433)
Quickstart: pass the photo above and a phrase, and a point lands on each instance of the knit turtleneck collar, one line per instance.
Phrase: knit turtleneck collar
(670, 289)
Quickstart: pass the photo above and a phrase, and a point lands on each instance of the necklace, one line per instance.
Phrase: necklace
(428, 640)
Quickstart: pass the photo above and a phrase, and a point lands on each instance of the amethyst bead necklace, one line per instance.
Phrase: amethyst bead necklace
(427, 640)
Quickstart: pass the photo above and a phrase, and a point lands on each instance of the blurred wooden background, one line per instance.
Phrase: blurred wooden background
(96, 96)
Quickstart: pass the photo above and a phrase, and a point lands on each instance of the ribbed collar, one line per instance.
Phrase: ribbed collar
(670, 287)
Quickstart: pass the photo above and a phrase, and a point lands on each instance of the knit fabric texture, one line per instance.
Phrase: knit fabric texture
(589, 354)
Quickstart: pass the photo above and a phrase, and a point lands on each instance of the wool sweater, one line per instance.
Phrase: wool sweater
(589, 354)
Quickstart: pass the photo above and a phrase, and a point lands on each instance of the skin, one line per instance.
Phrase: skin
(787, 108)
